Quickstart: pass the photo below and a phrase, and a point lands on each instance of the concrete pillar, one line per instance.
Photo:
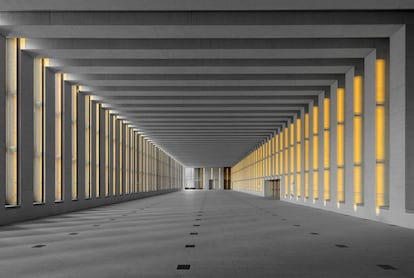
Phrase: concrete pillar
(332, 145)
(400, 169)
(320, 200)
(310, 111)
(93, 149)
(349, 141)
(50, 114)
(369, 160)
(81, 147)
(409, 127)
(25, 127)
(67, 141)
(2, 121)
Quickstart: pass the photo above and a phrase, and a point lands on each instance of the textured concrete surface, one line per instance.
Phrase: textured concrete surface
(239, 236)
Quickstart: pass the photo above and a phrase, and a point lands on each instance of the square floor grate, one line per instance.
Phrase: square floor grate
(196, 225)
(183, 266)
(39, 246)
(189, 246)
(341, 246)
(386, 266)
(193, 234)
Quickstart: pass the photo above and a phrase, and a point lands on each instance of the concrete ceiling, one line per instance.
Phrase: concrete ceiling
(205, 84)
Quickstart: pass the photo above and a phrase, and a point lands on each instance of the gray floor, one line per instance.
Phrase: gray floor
(239, 236)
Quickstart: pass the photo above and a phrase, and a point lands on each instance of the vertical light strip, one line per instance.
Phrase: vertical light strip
(74, 142)
(315, 152)
(127, 159)
(298, 157)
(380, 142)
(12, 50)
(114, 181)
(106, 152)
(286, 158)
(97, 150)
(58, 137)
(88, 184)
(341, 144)
(121, 146)
(277, 155)
(292, 159)
(326, 149)
(358, 118)
(307, 158)
(38, 97)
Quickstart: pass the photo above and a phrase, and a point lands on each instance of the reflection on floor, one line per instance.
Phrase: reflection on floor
(205, 234)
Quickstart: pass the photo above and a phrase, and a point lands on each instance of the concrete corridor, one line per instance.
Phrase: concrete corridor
(216, 233)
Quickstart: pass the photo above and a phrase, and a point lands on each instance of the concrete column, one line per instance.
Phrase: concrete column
(50, 114)
(117, 158)
(124, 160)
(349, 141)
(2, 121)
(302, 154)
(310, 151)
(93, 149)
(67, 141)
(369, 160)
(333, 143)
(400, 127)
(81, 147)
(409, 127)
(110, 156)
(320, 148)
(25, 129)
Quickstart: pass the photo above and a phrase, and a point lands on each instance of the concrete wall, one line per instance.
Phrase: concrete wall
(401, 131)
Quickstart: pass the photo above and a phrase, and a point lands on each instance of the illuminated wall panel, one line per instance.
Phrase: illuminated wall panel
(326, 149)
(298, 157)
(381, 186)
(58, 137)
(114, 149)
(106, 111)
(120, 149)
(307, 156)
(315, 132)
(97, 152)
(358, 118)
(340, 129)
(74, 94)
(88, 184)
(12, 50)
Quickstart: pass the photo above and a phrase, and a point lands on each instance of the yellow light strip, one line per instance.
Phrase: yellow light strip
(358, 100)
(11, 122)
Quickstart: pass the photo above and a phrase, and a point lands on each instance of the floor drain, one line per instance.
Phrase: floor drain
(72, 234)
(39, 246)
(183, 266)
(193, 234)
(314, 233)
(296, 225)
(196, 225)
(386, 266)
(341, 246)
(189, 246)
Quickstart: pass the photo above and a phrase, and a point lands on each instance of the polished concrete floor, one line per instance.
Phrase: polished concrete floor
(214, 233)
